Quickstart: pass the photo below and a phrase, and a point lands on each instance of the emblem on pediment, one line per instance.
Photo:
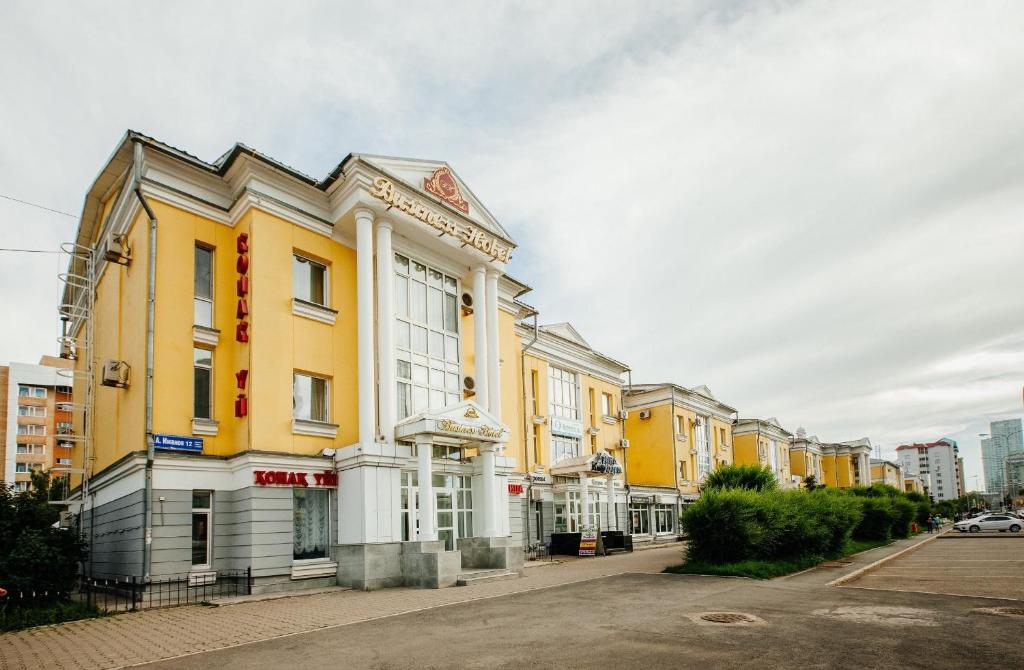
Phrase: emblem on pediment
(471, 413)
(442, 184)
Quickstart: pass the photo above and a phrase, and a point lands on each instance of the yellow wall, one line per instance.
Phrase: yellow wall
(653, 456)
(845, 469)
(745, 450)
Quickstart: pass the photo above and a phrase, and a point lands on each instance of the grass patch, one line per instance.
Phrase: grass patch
(17, 618)
(762, 569)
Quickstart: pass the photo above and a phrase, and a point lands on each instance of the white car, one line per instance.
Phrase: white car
(1000, 522)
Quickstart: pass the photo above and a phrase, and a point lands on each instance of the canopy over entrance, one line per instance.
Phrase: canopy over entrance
(601, 463)
(463, 424)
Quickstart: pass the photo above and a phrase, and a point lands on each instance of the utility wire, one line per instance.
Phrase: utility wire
(32, 204)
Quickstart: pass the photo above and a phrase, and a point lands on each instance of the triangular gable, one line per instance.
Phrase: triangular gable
(704, 391)
(566, 332)
(436, 180)
(462, 422)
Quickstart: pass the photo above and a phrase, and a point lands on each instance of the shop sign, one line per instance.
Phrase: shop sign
(489, 432)
(385, 189)
(606, 463)
(291, 478)
(178, 443)
(641, 500)
(242, 314)
(588, 541)
(565, 427)
(515, 489)
(540, 478)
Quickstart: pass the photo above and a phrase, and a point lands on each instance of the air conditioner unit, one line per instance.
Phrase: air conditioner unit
(467, 304)
(117, 250)
(623, 415)
(693, 451)
(624, 443)
(645, 414)
(536, 495)
(468, 386)
(116, 374)
(540, 420)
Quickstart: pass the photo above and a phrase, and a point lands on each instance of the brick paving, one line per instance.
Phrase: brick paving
(142, 637)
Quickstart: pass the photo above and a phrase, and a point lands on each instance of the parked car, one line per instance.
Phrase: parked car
(1000, 522)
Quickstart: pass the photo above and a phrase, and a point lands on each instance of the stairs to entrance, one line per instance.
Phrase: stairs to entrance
(470, 577)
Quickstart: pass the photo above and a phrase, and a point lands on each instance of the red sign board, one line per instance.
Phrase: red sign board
(242, 313)
(292, 478)
(515, 489)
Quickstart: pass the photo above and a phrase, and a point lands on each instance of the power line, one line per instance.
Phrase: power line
(32, 204)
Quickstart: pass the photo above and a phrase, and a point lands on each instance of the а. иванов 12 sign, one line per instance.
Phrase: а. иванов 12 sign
(178, 443)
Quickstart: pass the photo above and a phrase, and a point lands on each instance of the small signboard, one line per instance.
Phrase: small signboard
(565, 427)
(178, 443)
(588, 541)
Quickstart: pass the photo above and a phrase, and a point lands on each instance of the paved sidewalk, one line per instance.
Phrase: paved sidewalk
(143, 637)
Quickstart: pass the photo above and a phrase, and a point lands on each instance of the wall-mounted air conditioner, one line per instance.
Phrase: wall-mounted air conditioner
(540, 420)
(116, 374)
(645, 414)
(623, 414)
(624, 443)
(117, 249)
(593, 430)
(468, 386)
(467, 304)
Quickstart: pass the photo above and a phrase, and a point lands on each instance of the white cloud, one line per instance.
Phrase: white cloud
(815, 206)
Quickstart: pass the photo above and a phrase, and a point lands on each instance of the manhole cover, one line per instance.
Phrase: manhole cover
(726, 617)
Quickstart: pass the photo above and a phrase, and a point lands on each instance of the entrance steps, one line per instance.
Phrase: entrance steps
(470, 577)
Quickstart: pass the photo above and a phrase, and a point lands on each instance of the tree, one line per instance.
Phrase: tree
(811, 483)
(751, 477)
(35, 554)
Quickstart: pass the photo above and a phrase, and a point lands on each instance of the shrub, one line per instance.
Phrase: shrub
(923, 513)
(903, 512)
(877, 519)
(837, 514)
(722, 525)
(751, 477)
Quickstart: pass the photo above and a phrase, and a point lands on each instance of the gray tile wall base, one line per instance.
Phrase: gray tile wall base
(429, 565)
(367, 567)
(495, 553)
(283, 583)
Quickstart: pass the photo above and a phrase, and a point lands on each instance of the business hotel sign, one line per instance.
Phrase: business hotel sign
(386, 190)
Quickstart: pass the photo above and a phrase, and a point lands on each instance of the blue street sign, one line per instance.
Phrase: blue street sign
(178, 443)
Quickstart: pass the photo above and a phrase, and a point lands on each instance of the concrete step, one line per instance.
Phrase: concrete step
(470, 577)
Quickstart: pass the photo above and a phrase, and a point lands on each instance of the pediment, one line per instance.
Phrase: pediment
(704, 391)
(437, 181)
(465, 422)
(566, 332)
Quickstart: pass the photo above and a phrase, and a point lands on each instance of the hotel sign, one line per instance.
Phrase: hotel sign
(385, 189)
(467, 430)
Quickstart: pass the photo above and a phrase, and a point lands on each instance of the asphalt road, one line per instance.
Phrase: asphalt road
(650, 620)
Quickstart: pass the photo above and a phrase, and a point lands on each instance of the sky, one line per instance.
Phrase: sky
(816, 209)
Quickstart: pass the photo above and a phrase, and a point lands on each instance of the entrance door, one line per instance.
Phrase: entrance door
(446, 517)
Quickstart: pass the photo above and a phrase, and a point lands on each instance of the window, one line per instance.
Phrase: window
(682, 471)
(427, 365)
(202, 377)
(310, 280)
(681, 425)
(311, 514)
(639, 518)
(607, 408)
(30, 449)
(567, 512)
(30, 410)
(563, 448)
(65, 428)
(563, 393)
(31, 391)
(538, 521)
(202, 507)
(700, 434)
(535, 390)
(664, 518)
(63, 461)
(310, 398)
(21, 467)
(203, 302)
(31, 430)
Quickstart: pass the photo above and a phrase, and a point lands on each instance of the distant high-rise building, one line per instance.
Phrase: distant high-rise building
(1005, 439)
(937, 464)
(35, 411)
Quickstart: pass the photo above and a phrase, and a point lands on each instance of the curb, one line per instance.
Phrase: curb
(871, 566)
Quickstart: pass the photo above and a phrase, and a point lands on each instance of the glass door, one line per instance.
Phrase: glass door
(445, 517)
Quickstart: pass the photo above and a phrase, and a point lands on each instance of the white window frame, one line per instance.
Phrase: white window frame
(563, 393)
(327, 398)
(662, 511)
(327, 549)
(31, 429)
(198, 366)
(703, 446)
(27, 391)
(208, 512)
(643, 509)
(207, 301)
(300, 258)
(34, 411)
(428, 340)
(564, 448)
(607, 408)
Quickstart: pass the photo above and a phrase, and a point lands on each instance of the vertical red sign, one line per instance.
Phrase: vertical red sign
(242, 313)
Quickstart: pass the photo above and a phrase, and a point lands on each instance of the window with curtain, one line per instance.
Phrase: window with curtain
(310, 398)
(311, 518)
(309, 280)
(203, 280)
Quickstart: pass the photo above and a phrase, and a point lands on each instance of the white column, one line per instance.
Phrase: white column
(584, 499)
(613, 521)
(364, 315)
(489, 479)
(480, 332)
(424, 452)
(493, 350)
(386, 331)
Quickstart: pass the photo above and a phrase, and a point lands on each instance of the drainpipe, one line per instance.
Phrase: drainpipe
(675, 453)
(526, 425)
(147, 504)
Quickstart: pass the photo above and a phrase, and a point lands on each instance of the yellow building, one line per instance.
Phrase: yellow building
(764, 443)
(887, 472)
(805, 457)
(836, 464)
(676, 436)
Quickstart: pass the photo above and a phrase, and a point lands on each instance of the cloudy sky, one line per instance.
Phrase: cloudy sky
(817, 209)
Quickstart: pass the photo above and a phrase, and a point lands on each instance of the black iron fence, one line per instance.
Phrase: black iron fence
(130, 593)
